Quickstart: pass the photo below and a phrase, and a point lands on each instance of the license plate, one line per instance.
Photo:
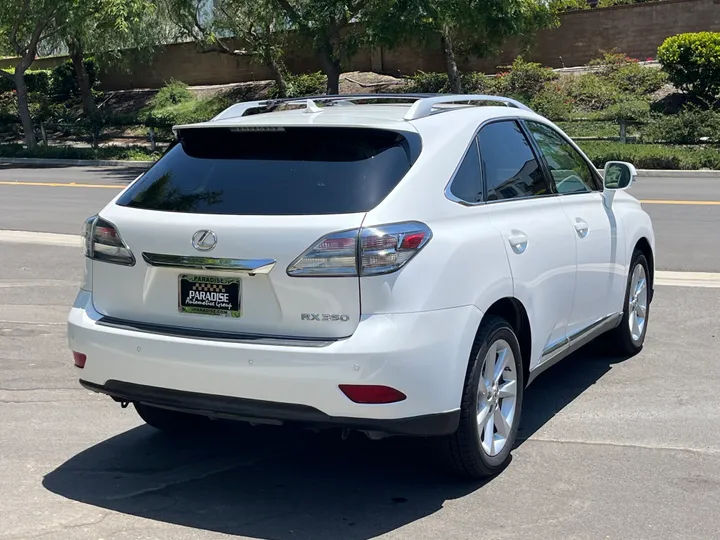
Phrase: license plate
(209, 295)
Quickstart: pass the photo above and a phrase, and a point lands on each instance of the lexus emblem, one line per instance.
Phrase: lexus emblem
(204, 240)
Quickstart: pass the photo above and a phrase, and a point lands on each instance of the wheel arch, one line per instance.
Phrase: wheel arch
(514, 312)
(643, 246)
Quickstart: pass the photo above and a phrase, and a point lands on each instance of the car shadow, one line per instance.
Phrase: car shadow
(281, 483)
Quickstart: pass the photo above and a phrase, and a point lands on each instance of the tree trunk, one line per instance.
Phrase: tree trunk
(278, 72)
(450, 62)
(24, 110)
(331, 67)
(83, 81)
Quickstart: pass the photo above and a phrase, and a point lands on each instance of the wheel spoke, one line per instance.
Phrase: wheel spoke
(501, 423)
(635, 325)
(490, 357)
(501, 364)
(509, 389)
(482, 415)
(641, 310)
(489, 435)
(482, 386)
(640, 287)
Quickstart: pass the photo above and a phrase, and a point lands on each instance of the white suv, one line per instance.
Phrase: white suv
(393, 264)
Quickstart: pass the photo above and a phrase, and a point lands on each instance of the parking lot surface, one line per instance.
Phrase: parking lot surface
(610, 448)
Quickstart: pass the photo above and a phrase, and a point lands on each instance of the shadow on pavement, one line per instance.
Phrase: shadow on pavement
(273, 483)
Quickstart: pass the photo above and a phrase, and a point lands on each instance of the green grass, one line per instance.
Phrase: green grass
(653, 156)
(123, 153)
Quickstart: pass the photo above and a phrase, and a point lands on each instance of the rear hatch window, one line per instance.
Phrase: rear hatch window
(276, 171)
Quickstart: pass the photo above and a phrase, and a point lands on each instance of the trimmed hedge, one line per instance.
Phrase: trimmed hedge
(692, 62)
(129, 153)
(653, 156)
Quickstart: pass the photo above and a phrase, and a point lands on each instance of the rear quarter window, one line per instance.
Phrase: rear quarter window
(286, 171)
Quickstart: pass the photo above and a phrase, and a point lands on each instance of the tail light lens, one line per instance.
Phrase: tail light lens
(102, 242)
(368, 251)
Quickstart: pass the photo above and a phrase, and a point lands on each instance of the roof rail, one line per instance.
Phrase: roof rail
(422, 104)
(241, 109)
(424, 107)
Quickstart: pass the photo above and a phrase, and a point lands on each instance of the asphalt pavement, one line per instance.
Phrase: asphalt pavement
(57, 199)
(609, 448)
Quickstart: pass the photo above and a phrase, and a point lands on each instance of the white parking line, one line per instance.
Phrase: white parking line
(687, 279)
(662, 277)
(47, 239)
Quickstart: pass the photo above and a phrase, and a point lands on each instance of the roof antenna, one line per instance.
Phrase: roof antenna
(311, 107)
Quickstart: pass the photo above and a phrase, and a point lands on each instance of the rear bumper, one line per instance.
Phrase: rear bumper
(424, 355)
(253, 410)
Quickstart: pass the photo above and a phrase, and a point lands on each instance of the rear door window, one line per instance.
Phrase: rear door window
(276, 171)
(510, 166)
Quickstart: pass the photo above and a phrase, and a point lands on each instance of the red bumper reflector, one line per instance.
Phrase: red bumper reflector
(361, 393)
(79, 359)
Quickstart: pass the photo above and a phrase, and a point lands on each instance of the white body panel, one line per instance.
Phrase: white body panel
(412, 329)
(271, 303)
(601, 259)
(401, 351)
(543, 267)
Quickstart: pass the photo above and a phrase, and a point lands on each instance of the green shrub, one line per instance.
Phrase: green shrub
(649, 156)
(472, 82)
(185, 112)
(427, 83)
(552, 103)
(130, 153)
(688, 126)
(591, 92)
(173, 93)
(525, 79)
(35, 80)
(692, 62)
(638, 80)
(628, 110)
(64, 79)
(306, 84)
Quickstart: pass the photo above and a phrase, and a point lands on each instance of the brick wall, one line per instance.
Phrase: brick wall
(636, 29)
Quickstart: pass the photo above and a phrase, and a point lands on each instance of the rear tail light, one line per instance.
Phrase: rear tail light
(372, 394)
(102, 242)
(368, 251)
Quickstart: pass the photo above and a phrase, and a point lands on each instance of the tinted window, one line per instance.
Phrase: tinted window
(570, 172)
(510, 167)
(467, 184)
(288, 171)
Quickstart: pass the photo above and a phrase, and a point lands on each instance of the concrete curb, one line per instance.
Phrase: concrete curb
(76, 162)
(660, 173)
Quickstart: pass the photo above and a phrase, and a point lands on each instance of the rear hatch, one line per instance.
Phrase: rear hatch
(213, 227)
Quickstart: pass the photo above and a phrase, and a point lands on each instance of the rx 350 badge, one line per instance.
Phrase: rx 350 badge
(324, 317)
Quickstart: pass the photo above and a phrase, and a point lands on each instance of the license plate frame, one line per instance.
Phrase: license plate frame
(212, 295)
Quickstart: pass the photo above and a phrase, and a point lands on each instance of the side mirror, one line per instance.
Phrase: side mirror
(618, 175)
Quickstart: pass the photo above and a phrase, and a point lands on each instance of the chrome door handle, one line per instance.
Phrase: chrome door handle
(518, 242)
(581, 227)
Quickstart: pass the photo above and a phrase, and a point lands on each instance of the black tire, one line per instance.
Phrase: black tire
(620, 341)
(171, 421)
(462, 452)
